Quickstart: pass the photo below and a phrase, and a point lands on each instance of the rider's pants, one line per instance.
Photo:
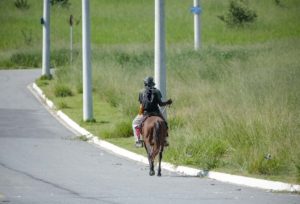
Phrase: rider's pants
(135, 124)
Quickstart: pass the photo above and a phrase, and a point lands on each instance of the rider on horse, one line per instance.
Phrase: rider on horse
(150, 100)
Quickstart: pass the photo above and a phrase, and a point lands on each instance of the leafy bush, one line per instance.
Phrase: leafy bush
(212, 154)
(41, 83)
(22, 4)
(61, 90)
(238, 14)
(265, 166)
(91, 121)
(278, 3)
(34, 59)
(46, 77)
(43, 80)
(63, 105)
(122, 129)
(207, 153)
(26, 60)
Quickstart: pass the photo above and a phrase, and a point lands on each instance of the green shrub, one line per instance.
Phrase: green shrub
(122, 129)
(207, 152)
(278, 3)
(26, 60)
(22, 4)
(238, 14)
(34, 59)
(93, 120)
(43, 80)
(61, 90)
(264, 166)
(46, 77)
(62, 105)
(212, 154)
(41, 83)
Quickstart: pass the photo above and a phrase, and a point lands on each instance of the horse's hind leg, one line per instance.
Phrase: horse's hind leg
(151, 163)
(159, 161)
(152, 172)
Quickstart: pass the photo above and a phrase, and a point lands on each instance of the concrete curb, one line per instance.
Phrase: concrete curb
(224, 177)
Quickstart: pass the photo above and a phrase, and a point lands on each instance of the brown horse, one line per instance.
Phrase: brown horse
(154, 132)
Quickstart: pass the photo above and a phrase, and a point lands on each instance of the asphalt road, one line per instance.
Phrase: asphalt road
(42, 162)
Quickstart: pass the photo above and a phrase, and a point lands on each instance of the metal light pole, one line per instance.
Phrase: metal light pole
(197, 24)
(46, 39)
(159, 58)
(86, 63)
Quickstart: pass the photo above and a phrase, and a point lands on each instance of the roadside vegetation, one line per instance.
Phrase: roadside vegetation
(236, 100)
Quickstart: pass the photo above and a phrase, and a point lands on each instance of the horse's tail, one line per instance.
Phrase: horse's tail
(157, 131)
(156, 137)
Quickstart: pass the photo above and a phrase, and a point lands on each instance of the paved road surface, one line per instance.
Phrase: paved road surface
(41, 162)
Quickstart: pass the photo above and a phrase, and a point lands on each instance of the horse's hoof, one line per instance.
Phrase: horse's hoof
(151, 173)
(159, 174)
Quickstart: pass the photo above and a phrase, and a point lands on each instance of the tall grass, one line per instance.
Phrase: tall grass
(232, 105)
(245, 106)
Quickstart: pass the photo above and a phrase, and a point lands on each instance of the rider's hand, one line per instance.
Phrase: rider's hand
(169, 101)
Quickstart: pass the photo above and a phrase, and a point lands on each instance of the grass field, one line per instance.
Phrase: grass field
(236, 101)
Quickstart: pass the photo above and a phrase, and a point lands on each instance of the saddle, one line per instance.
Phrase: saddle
(147, 115)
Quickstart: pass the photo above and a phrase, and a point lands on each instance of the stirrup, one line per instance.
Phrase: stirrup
(139, 144)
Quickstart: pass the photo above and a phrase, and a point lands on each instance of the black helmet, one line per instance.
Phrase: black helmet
(148, 81)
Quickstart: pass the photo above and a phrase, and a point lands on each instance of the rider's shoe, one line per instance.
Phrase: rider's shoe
(138, 144)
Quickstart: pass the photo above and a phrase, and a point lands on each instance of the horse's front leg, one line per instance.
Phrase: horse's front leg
(159, 161)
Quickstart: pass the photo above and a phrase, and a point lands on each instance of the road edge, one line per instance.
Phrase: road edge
(183, 170)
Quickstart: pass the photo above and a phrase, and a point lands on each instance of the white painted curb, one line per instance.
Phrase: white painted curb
(239, 180)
